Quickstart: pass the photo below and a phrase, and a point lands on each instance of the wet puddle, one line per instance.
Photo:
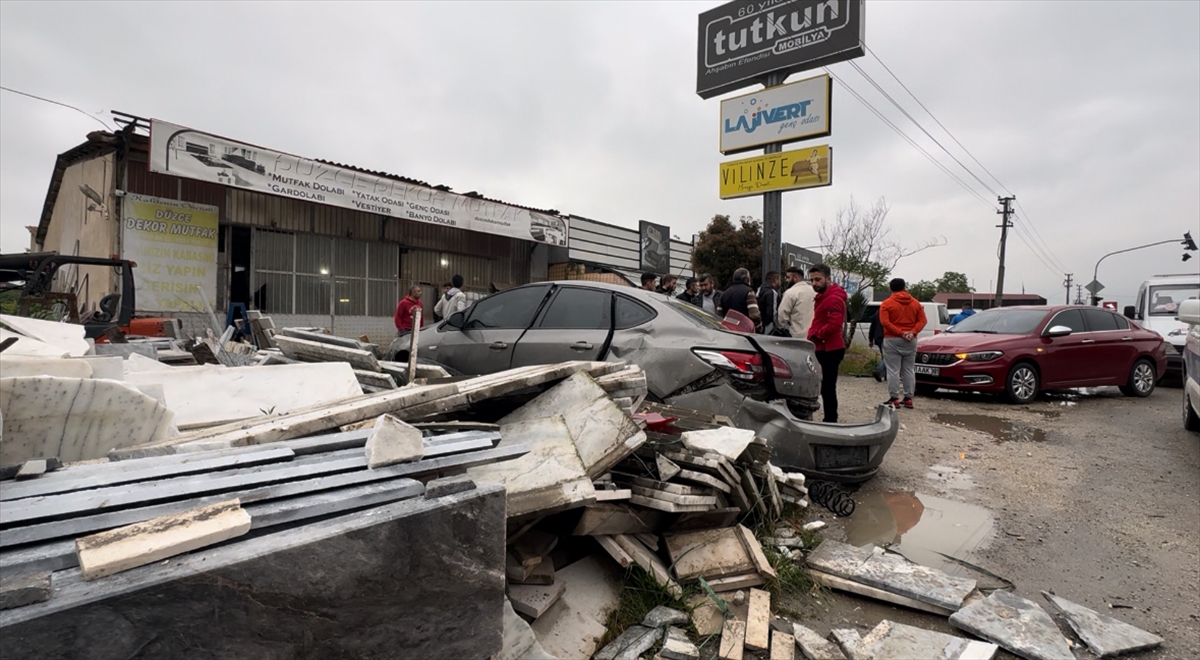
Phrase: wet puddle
(1001, 430)
(920, 526)
(949, 477)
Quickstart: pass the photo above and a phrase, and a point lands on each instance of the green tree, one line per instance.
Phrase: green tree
(952, 282)
(722, 248)
(923, 290)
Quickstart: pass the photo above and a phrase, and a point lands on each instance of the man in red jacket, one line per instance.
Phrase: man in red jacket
(903, 318)
(404, 311)
(829, 321)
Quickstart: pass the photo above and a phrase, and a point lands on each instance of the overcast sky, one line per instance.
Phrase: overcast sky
(1089, 112)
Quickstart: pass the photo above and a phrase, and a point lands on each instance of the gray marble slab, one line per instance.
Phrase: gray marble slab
(897, 640)
(891, 573)
(1104, 635)
(630, 644)
(1015, 623)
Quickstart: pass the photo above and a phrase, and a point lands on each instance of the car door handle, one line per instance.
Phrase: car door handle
(1126, 338)
(581, 346)
(1088, 341)
(498, 346)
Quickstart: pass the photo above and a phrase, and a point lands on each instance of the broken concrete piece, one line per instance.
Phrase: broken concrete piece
(68, 337)
(891, 573)
(666, 468)
(664, 616)
(1104, 635)
(733, 640)
(573, 627)
(896, 640)
(147, 542)
(31, 469)
(758, 621)
(533, 546)
(847, 639)
(814, 526)
(815, 647)
(448, 486)
(1015, 623)
(75, 419)
(677, 646)
(550, 478)
(533, 600)
(23, 589)
(393, 441)
(631, 644)
(726, 441)
(783, 646)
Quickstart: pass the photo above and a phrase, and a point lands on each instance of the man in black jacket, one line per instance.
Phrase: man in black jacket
(691, 289)
(876, 338)
(740, 297)
(768, 301)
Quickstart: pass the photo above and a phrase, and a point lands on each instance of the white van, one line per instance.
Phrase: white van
(937, 319)
(1189, 313)
(1157, 309)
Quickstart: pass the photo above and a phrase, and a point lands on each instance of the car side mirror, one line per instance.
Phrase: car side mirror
(1130, 311)
(1059, 331)
(457, 320)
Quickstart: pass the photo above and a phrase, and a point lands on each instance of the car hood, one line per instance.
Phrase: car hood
(965, 341)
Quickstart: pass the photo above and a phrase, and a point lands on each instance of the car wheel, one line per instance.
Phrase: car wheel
(1141, 380)
(1191, 421)
(1022, 383)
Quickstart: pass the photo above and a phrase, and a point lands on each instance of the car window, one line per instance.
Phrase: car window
(695, 315)
(1000, 322)
(1164, 300)
(512, 309)
(631, 313)
(943, 315)
(579, 309)
(1072, 318)
(1099, 320)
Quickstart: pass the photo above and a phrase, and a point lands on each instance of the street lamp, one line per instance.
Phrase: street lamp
(1188, 244)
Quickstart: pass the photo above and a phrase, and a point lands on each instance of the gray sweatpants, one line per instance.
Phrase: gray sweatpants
(900, 357)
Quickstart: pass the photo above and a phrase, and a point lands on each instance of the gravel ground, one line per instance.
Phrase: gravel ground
(1093, 496)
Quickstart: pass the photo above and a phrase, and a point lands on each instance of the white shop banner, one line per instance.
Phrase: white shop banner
(787, 113)
(194, 154)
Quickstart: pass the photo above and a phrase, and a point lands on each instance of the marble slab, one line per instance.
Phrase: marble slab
(21, 366)
(213, 394)
(897, 640)
(111, 367)
(1104, 635)
(1015, 623)
(891, 573)
(631, 644)
(603, 433)
(815, 647)
(573, 627)
(65, 336)
(138, 362)
(29, 347)
(726, 441)
(75, 419)
(551, 477)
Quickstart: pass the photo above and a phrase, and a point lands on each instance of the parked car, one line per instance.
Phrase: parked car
(937, 319)
(770, 384)
(1158, 308)
(1022, 351)
(1189, 313)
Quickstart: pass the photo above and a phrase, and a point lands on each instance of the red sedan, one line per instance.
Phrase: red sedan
(1023, 350)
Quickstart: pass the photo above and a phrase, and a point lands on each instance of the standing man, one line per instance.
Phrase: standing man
(829, 322)
(710, 296)
(903, 318)
(436, 316)
(876, 336)
(667, 284)
(404, 311)
(453, 300)
(691, 289)
(648, 280)
(966, 313)
(740, 298)
(796, 309)
(768, 301)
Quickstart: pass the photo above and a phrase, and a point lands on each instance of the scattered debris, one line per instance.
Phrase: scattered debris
(1104, 635)
(896, 640)
(815, 647)
(392, 441)
(631, 644)
(1015, 623)
(890, 573)
(677, 646)
(733, 640)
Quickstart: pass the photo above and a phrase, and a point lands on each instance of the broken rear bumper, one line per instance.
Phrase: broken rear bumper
(845, 453)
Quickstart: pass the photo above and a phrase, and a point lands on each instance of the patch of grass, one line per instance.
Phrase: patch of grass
(640, 594)
(859, 361)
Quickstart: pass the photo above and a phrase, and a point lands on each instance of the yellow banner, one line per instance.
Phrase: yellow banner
(175, 246)
(807, 167)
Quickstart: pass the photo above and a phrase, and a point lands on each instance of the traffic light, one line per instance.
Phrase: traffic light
(1188, 244)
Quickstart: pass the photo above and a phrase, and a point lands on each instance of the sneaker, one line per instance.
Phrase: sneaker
(892, 403)
(907, 403)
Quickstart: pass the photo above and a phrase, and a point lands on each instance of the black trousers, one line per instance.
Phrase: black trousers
(829, 361)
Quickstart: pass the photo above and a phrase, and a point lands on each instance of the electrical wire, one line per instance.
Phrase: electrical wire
(82, 112)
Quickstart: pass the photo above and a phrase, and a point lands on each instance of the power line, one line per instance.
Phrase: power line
(82, 112)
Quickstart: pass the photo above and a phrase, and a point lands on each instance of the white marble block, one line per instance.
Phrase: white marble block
(65, 336)
(393, 441)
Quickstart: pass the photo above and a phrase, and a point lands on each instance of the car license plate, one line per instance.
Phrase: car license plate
(923, 370)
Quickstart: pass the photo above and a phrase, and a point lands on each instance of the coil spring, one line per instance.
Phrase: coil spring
(828, 495)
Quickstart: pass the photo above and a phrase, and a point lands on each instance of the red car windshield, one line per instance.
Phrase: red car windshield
(1000, 322)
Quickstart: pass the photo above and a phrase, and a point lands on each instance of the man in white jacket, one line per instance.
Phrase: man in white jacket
(453, 301)
(796, 308)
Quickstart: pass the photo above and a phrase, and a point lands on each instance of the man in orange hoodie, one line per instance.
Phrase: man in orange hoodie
(903, 318)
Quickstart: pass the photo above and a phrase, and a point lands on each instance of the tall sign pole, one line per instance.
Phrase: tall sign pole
(772, 231)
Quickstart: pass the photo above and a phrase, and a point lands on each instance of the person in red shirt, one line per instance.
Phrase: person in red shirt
(903, 318)
(829, 321)
(403, 318)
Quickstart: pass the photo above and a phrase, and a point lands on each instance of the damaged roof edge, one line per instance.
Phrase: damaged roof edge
(98, 143)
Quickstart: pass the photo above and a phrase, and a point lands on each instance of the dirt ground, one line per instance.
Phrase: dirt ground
(1092, 496)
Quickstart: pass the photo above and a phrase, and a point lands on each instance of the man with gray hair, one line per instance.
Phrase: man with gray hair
(740, 297)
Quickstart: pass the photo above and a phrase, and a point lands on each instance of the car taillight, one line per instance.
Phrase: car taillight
(780, 366)
(744, 365)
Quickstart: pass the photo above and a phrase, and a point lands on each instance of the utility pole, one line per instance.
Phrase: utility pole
(1006, 211)
(1078, 294)
(1067, 284)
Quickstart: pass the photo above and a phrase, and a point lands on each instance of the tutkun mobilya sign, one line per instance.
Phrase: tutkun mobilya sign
(742, 41)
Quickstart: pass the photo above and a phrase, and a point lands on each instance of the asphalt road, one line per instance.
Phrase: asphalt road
(1093, 496)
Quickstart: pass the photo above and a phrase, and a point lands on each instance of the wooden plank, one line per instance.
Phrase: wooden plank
(754, 548)
(147, 542)
(758, 621)
(615, 550)
(121, 472)
(733, 640)
(650, 562)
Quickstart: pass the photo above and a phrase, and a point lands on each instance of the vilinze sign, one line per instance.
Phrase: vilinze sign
(787, 113)
(195, 154)
(742, 41)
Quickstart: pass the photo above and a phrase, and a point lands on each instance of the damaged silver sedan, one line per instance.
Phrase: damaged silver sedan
(767, 384)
